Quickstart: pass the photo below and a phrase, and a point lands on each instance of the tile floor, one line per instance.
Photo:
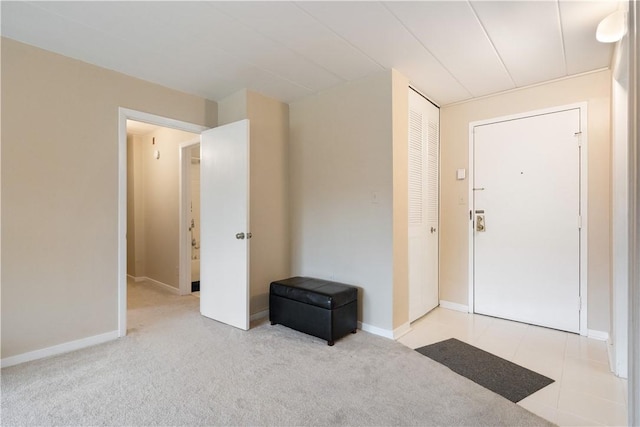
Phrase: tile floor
(585, 393)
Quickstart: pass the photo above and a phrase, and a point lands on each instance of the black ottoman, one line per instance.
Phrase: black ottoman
(324, 309)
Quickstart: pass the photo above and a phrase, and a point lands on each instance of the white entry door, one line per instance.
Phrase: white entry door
(423, 205)
(224, 229)
(526, 218)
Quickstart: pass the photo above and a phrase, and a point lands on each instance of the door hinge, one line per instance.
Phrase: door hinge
(579, 303)
(579, 136)
(579, 222)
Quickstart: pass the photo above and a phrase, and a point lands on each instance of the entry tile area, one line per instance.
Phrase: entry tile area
(585, 393)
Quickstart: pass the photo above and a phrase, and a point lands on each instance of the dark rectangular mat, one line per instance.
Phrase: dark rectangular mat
(495, 373)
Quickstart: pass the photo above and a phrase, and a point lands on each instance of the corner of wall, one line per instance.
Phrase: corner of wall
(400, 135)
(232, 108)
(269, 212)
(211, 113)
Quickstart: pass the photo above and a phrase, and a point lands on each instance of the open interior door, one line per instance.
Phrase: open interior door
(224, 204)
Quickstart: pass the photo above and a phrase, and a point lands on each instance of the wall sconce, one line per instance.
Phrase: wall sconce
(612, 28)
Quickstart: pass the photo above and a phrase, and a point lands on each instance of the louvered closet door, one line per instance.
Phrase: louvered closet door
(424, 144)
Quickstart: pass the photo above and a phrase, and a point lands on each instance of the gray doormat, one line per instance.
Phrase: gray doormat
(495, 373)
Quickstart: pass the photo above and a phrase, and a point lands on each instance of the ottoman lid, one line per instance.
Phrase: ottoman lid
(318, 292)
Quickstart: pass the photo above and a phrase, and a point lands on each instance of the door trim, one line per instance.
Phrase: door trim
(125, 114)
(582, 106)
(184, 195)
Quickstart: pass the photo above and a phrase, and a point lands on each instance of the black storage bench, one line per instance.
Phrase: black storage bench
(324, 309)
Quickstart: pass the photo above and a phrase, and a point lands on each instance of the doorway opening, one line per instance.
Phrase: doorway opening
(189, 217)
(167, 271)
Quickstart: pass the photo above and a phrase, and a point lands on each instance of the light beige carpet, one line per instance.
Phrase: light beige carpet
(176, 367)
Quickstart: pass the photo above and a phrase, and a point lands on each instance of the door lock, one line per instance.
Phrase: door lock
(240, 236)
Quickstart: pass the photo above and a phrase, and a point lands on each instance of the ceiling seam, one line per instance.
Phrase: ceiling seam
(521, 88)
(219, 49)
(273, 73)
(338, 35)
(75, 21)
(281, 44)
(564, 50)
(493, 46)
(427, 49)
(124, 41)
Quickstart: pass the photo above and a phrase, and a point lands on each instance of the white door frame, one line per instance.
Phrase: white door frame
(125, 114)
(583, 200)
(184, 196)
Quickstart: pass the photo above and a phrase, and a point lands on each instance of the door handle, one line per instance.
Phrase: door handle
(480, 226)
(433, 230)
(239, 236)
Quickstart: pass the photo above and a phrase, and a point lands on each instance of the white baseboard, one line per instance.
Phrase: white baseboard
(164, 286)
(598, 335)
(137, 279)
(375, 330)
(454, 306)
(259, 315)
(401, 330)
(612, 363)
(58, 349)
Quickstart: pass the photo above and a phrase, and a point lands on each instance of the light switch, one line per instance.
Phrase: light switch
(461, 174)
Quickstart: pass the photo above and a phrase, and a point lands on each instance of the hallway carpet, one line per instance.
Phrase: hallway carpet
(176, 367)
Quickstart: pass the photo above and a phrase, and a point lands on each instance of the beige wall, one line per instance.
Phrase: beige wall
(400, 123)
(137, 233)
(593, 88)
(60, 192)
(160, 203)
(269, 197)
(136, 247)
(233, 108)
(341, 155)
(131, 206)
(269, 216)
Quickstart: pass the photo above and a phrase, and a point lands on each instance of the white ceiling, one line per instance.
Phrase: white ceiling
(450, 50)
